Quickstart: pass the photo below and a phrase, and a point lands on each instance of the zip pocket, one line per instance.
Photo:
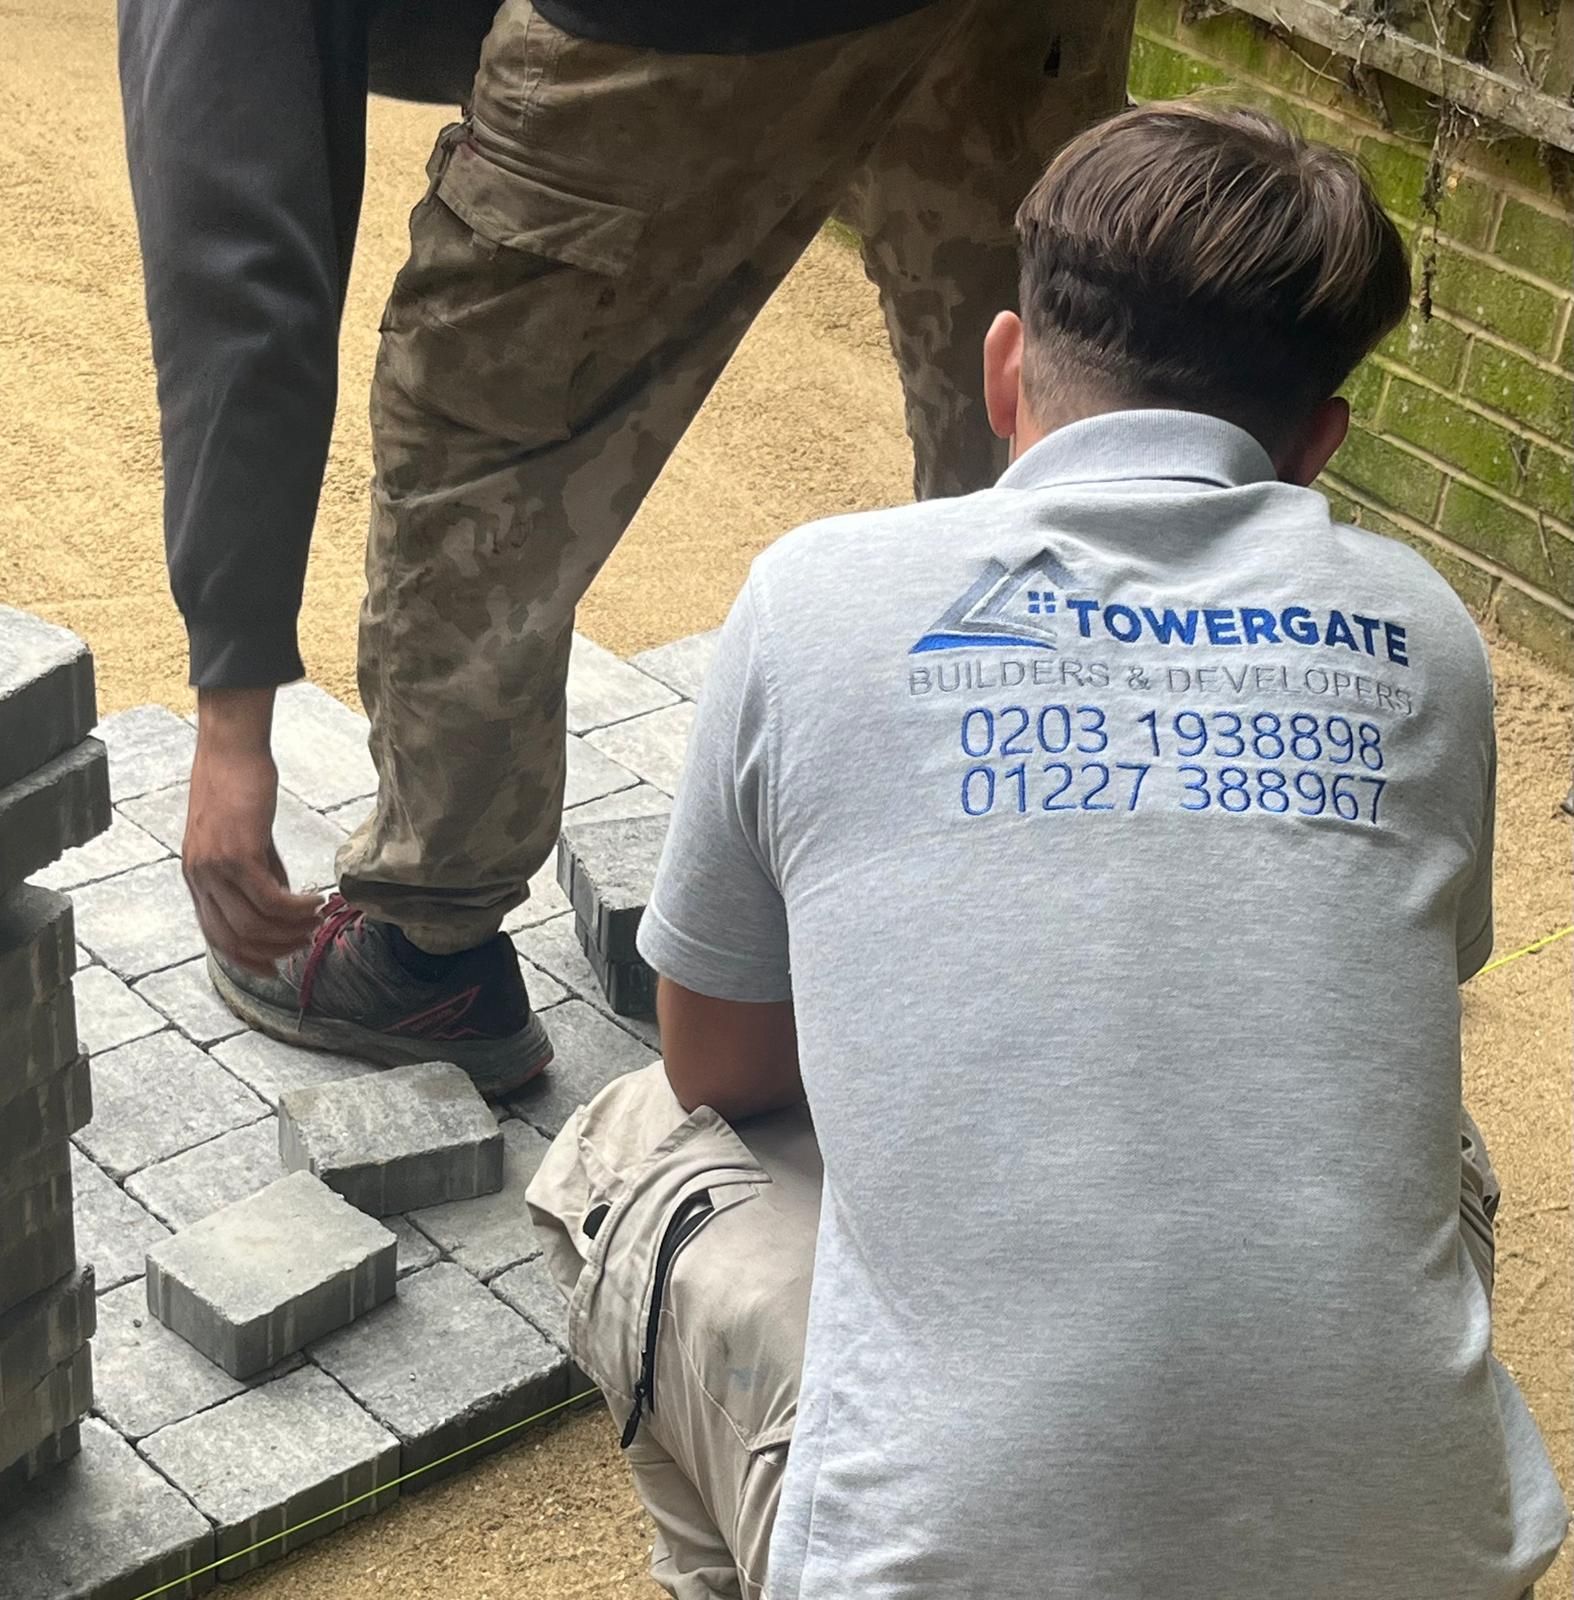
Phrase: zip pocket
(684, 1223)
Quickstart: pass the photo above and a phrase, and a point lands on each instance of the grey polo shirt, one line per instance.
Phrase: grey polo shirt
(1121, 835)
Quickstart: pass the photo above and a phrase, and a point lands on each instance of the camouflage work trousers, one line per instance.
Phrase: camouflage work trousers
(598, 234)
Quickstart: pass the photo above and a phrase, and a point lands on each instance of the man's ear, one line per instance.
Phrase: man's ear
(1312, 446)
(1003, 372)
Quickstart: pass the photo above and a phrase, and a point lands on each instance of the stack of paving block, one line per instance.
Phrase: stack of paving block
(607, 870)
(54, 794)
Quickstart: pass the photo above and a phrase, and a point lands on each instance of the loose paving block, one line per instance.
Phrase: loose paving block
(590, 1051)
(629, 986)
(682, 664)
(46, 812)
(31, 1261)
(156, 1097)
(408, 1137)
(444, 1366)
(104, 1526)
(57, 1448)
(46, 692)
(123, 847)
(590, 774)
(36, 1041)
(652, 746)
(554, 947)
(61, 1397)
(319, 744)
(603, 688)
(149, 748)
(275, 1458)
(139, 921)
(43, 1331)
(307, 842)
(494, 1232)
(38, 1119)
(109, 1013)
(272, 1068)
(266, 1275)
(186, 996)
(608, 869)
(531, 1291)
(37, 934)
(113, 1231)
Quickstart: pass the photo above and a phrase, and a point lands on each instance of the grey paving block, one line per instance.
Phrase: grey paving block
(109, 1013)
(652, 746)
(352, 813)
(271, 1068)
(37, 934)
(590, 774)
(681, 665)
(121, 848)
(415, 1249)
(35, 1121)
(307, 842)
(106, 1526)
(395, 1141)
(554, 947)
(46, 692)
(545, 900)
(186, 996)
(84, 959)
(36, 1041)
(43, 1331)
(544, 990)
(494, 1232)
(256, 1281)
(140, 921)
(628, 986)
(643, 800)
(194, 1184)
(55, 1450)
(445, 1366)
(603, 688)
(46, 812)
(590, 1050)
(113, 1231)
(145, 1377)
(275, 1458)
(156, 1097)
(149, 748)
(608, 869)
(319, 744)
(64, 1395)
(530, 1290)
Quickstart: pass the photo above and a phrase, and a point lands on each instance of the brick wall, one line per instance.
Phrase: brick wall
(1463, 444)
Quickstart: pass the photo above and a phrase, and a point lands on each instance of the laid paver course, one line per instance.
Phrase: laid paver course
(113, 1231)
(682, 664)
(38, 1118)
(49, 811)
(270, 1068)
(46, 692)
(402, 1363)
(185, 995)
(36, 945)
(58, 1447)
(590, 774)
(274, 1457)
(149, 748)
(139, 921)
(123, 846)
(604, 688)
(185, 1188)
(530, 1290)
(256, 1281)
(61, 1397)
(555, 947)
(543, 989)
(36, 1041)
(157, 1096)
(43, 1331)
(396, 1140)
(319, 747)
(415, 1249)
(653, 746)
(109, 1013)
(107, 1526)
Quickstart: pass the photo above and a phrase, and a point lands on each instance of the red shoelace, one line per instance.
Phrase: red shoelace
(337, 915)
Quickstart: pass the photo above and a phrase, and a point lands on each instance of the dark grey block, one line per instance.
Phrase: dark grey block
(629, 987)
(140, 921)
(37, 946)
(602, 688)
(113, 1231)
(46, 812)
(56, 1449)
(258, 1280)
(36, 1041)
(106, 1526)
(590, 1051)
(275, 1458)
(43, 1331)
(41, 1117)
(403, 1363)
(185, 995)
(46, 692)
(149, 748)
(158, 1096)
(681, 665)
(408, 1137)
(652, 746)
(493, 1232)
(109, 1013)
(32, 1261)
(608, 869)
(64, 1395)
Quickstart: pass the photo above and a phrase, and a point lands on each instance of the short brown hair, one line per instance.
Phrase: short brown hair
(1206, 257)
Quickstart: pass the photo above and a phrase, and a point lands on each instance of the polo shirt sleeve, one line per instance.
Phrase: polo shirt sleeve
(1474, 927)
(716, 922)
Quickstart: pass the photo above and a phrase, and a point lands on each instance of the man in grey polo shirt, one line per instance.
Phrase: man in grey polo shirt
(1099, 855)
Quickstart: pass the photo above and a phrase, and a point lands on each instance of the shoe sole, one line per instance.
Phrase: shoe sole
(496, 1066)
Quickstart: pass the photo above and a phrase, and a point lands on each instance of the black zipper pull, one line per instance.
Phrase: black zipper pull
(631, 1427)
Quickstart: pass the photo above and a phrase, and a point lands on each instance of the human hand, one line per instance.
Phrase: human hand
(237, 881)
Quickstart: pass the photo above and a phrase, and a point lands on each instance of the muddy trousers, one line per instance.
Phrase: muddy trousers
(597, 236)
(685, 1251)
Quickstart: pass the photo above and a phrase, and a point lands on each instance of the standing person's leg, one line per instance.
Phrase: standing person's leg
(936, 204)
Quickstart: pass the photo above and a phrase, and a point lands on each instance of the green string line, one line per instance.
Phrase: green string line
(1527, 950)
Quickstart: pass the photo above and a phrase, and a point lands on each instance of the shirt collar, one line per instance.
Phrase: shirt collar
(1149, 446)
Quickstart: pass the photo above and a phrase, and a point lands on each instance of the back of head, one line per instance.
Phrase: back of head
(1205, 258)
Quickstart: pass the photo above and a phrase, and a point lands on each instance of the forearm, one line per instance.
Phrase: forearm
(739, 1058)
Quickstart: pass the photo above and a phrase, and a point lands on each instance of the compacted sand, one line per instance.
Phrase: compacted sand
(807, 422)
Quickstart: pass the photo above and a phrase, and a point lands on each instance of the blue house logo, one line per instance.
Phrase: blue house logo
(1006, 606)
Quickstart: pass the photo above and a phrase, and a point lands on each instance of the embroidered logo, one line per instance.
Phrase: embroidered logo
(1006, 606)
